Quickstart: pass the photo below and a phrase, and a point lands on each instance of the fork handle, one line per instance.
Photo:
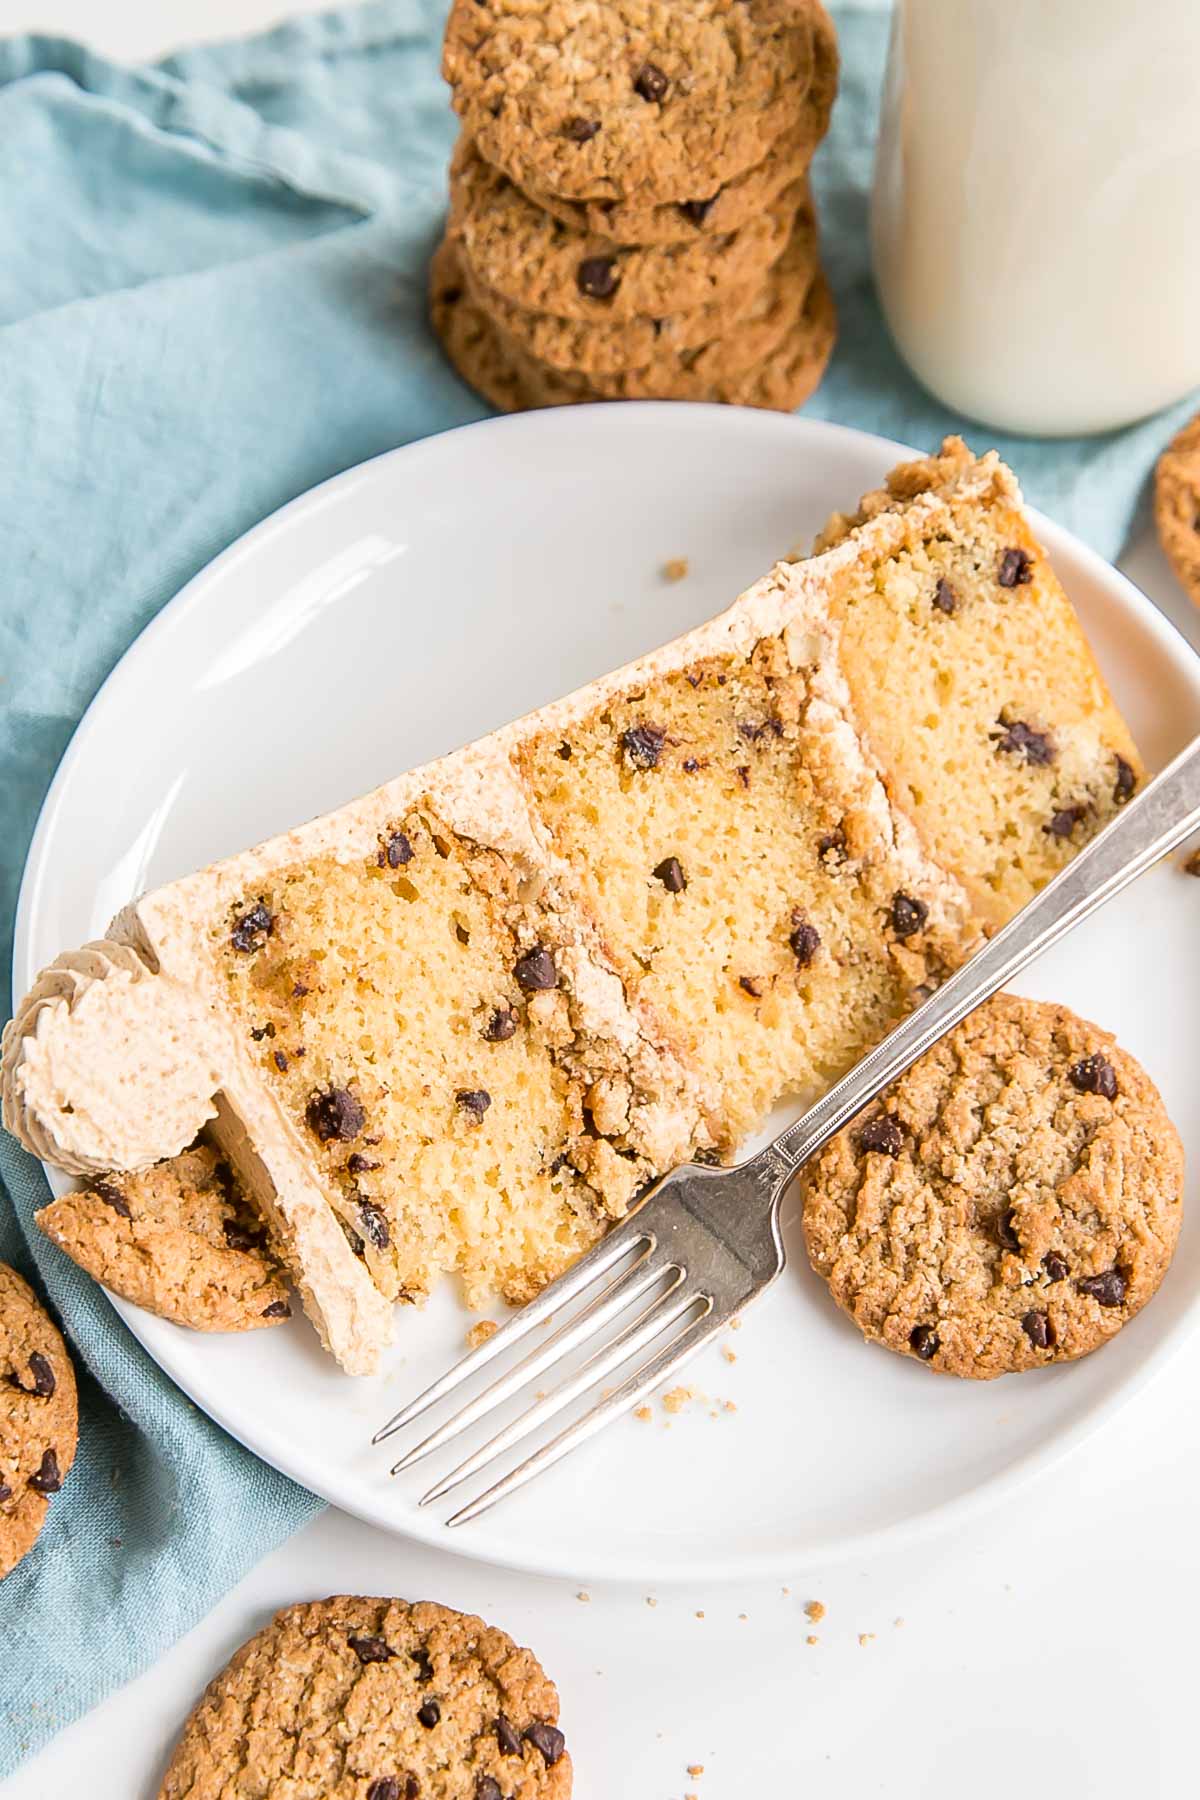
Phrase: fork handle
(1155, 822)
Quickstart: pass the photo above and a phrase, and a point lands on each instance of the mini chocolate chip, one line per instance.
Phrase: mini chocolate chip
(429, 1714)
(690, 765)
(474, 1102)
(281, 1062)
(804, 939)
(500, 1027)
(370, 1649)
(48, 1480)
(1094, 1075)
(581, 131)
(643, 744)
(750, 984)
(1065, 820)
(507, 1737)
(374, 1223)
(424, 1666)
(883, 1133)
(1055, 1266)
(1016, 567)
(697, 210)
(358, 1164)
(299, 991)
(753, 729)
(564, 751)
(535, 971)
(743, 774)
(597, 277)
(336, 1114)
(240, 1236)
(1006, 1230)
(396, 852)
(670, 873)
(650, 82)
(1106, 1290)
(259, 1032)
(546, 1738)
(945, 598)
(386, 1788)
(278, 1309)
(111, 1196)
(5, 1491)
(487, 1788)
(1039, 1330)
(925, 1341)
(1125, 783)
(44, 1383)
(252, 930)
(908, 915)
(1020, 739)
(412, 1787)
(832, 847)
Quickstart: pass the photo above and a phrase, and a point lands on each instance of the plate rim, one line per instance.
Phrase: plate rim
(821, 1552)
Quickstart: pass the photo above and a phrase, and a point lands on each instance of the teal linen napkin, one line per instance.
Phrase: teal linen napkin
(212, 296)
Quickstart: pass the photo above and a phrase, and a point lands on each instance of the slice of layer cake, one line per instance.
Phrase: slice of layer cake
(458, 1024)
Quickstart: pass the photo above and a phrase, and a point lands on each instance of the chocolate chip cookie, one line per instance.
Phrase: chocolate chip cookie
(366, 1699)
(517, 250)
(1011, 1202)
(598, 349)
(1177, 506)
(180, 1239)
(38, 1416)
(635, 97)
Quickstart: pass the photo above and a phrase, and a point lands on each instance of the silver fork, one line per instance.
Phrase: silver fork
(705, 1242)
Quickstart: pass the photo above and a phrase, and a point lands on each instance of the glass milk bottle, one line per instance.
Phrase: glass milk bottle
(1033, 221)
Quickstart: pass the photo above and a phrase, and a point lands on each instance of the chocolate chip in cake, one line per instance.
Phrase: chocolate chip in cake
(670, 872)
(358, 1164)
(908, 915)
(424, 1666)
(48, 1480)
(396, 852)
(374, 1223)
(697, 210)
(743, 774)
(564, 751)
(487, 1788)
(240, 1236)
(1006, 1230)
(750, 984)
(1016, 568)
(1055, 1266)
(278, 1309)
(1094, 1075)
(1064, 821)
(386, 1788)
(335, 1114)
(546, 1738)
(643, 744)
(370, 1649)
(1039, 1330)
(429, 1714)
(259, 1032)
(597, 277)
(111, 1196)
(44, 1383)
(474, 1102)
(883, 1133)
(831, 849)
(252, 930)
(651, 83)
(925, 1341)
(5, 1492)
(500, 1027)
(804, 939)
(507, 1736)
(581, 131)
(753, 729)
(1125, 782)
(281, 1062)
(535, 971)
(1106, 1290)
(1020, 739)
(945, 599)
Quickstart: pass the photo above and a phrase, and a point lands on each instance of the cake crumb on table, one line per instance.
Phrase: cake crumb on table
(700, 1615)
(897, 1623)
(729, 1353)
(695, 1769)
(583, 1595)
(815, 1610)
(643, 1413)
(479, 1334)
(812, 1640)
(865, 1638)
(650, 1600)
(677, 1399)
(675, 568)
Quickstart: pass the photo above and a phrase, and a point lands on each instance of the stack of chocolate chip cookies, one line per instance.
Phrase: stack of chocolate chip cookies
(630, 216)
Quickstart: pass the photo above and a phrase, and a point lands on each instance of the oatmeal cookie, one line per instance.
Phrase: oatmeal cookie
(1177, 506)
(39, 1422)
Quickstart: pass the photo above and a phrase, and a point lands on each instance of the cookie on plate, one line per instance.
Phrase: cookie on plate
(1177, 506)
(39, 1421)
(518, 250)
(1012, 1201)
(636, 97)
(180, 1239)
(366, 1699)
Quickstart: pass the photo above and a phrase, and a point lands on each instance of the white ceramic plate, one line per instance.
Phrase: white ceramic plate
(416, 602)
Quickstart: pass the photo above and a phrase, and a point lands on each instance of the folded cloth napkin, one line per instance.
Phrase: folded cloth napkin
(212, 296)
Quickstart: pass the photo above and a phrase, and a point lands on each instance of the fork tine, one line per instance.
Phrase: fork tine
(671, 1357)
(613, 1299)
(634, 1338)
(572, 1281)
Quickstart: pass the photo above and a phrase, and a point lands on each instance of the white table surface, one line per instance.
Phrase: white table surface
(1047, 1650)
